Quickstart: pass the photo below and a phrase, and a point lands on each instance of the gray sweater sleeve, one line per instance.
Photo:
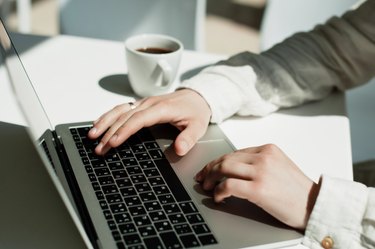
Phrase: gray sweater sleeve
(308, 66)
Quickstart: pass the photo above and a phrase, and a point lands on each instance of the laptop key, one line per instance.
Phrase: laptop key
(142, 220)
(151, 145)
(147, 196)
(138, 179)
(189, 240)
(156, 181)
(98, 163)
(194, 218)
(127, 228)
(188, 207)
(129, 161)
(128, 191)
(137, 210)
(166, 199)
(132, 239)
(115, 166)
(152, 172)
(120, 245)
(96, 186)
(152, 206)
(142, 156)
(119, 174)
(102, 172)
(157, 216)
(125, 154)
(118, 208)
(156, 154)
(103, 204)
(110, 189)
(122, 218)
(113, 198)
(99, 195)
(132, 201)
(153, 243)
(92, 177)
(107, 214)
(201, 228)
(177, 218)
(147, 231)
(160, 190)
(143, 187)
(132, 170)
(105, 180)
(112, 225)
(171, 208)
(162, 226)
(207, 239)
(116, 235)
(182, 228)
(136, 247)
(147, 165)
(89, 169)
(139, 148)
(170, 240)
(124, 182)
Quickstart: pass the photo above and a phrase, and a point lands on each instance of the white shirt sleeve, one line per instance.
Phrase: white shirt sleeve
(230, 90)
(344, 211)
(306, 67)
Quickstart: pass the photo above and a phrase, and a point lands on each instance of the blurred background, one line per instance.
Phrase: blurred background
(236, 20)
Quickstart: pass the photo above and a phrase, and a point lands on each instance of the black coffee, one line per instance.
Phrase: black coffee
(152, 50)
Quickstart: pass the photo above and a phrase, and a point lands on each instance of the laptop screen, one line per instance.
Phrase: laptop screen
(22, 86)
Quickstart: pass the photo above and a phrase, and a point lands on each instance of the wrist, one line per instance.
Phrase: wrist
(199, 99)
(312, 196)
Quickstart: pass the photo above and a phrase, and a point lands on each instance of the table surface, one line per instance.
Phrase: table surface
(78, 79)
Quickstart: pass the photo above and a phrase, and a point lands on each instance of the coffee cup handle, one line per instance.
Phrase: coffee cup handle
(166, 70)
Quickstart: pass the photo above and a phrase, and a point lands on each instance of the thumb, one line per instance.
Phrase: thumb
(188, 138)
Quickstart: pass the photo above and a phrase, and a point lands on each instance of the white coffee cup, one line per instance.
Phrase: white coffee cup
(153, 61)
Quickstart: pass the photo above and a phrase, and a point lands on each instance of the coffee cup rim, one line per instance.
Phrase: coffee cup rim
(133, 49)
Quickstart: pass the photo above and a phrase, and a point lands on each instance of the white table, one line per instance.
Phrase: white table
(78, 79)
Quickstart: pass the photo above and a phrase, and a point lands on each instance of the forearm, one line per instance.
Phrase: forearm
(305, 67)
(308, 66)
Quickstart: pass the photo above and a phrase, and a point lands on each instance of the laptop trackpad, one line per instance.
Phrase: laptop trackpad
(234, 212)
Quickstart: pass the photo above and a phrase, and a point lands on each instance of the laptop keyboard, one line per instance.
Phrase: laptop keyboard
(144, 202)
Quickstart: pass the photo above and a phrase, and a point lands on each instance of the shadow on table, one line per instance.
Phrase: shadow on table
(117, 83)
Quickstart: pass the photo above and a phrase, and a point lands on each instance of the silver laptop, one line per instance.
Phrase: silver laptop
(141, 194)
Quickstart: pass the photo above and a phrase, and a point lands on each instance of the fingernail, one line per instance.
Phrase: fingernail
(99, 146)
(184, 146)
(93, 131)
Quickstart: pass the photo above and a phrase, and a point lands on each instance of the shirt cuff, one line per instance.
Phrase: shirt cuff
(229, 90)
(337, 214)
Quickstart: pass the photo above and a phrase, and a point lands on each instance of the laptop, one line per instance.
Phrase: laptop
(139, 195)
